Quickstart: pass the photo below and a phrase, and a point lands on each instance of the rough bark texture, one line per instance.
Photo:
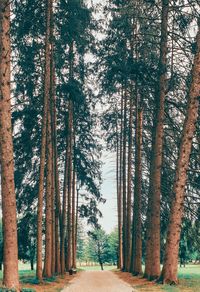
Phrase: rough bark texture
(169, 271)
(129, 186)
(10, 254)
(64, 207)
(43, 144)
(74, 218)
(119, 189)
(124, 181)
(48, 219)
(69, 193)
(152, 269)
(136, 268)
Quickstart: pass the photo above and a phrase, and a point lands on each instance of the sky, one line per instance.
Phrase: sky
(108, 189)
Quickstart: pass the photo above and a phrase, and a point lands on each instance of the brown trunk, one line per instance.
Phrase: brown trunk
(152, 269)
(124, 180)
(129, 187)
(63, 226)
(48, 220)
(53, 222)
(169, 271)
(57, 205)
(10, 250)
(119, 189)
(136, 268)
(74, 219)
(53, 132)
(43, 144)
(56, 181)
(69, 193)
(77, 199)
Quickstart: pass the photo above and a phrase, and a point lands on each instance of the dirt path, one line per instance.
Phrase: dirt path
(98, 281)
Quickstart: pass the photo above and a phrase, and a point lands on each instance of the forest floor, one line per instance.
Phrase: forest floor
(98, 281)
(189, 280)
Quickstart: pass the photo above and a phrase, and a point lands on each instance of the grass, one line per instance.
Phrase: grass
(96, 268)
(189, 280)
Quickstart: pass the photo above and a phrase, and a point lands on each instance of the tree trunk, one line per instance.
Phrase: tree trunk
(32, 264)
(152, 269)
(48, 220)
(69, 193)
(43, 144)
(129, 187)
(124, 180)
(170, 266)
(74, 216)
(63, 227)
(136, 268)
(10, 250)
(119, 188)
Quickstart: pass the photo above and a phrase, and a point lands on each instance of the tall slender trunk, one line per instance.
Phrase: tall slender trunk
(73, 217)
(136, 268)
(53, 132)
(77, 201)
(69, 193)
(64, 207)
(129, 186)
(53, 262)
(119, 187)
(48, 219)
(124, 181)
(10, 250)
(43, 144)
(152, 269)
(170, 266)
(56, 180)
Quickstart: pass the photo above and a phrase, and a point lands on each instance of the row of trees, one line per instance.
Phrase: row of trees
(56, 147)
(149, 71)
(144, 70)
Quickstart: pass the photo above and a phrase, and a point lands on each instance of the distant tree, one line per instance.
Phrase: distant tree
(98, 244)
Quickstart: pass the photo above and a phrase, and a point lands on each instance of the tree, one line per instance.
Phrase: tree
(10, 257)
(170, 266)
(152, 262)
(99, 245)
(43, 142)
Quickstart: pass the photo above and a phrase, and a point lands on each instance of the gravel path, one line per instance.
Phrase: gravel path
(97, 281)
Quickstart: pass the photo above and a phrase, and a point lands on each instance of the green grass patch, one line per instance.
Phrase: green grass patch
(189, 280)
(96, 268)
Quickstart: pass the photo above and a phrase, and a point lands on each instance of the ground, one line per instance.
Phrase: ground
(98, 281)
(189, 280)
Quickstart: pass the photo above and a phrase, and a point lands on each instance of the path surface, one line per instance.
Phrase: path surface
(97, 281)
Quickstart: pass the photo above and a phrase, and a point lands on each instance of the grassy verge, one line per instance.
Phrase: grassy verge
(189, 281)
(29, 282)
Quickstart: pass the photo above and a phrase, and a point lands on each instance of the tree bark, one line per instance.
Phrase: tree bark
(69, 193)
(129, 186)
(64, 202)
(170, 266)
(74, 218)
(43, 144)
(119, 188)
(124, 181)
(152, 268)
(136, 268)
(48, 220)
(10, 249)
